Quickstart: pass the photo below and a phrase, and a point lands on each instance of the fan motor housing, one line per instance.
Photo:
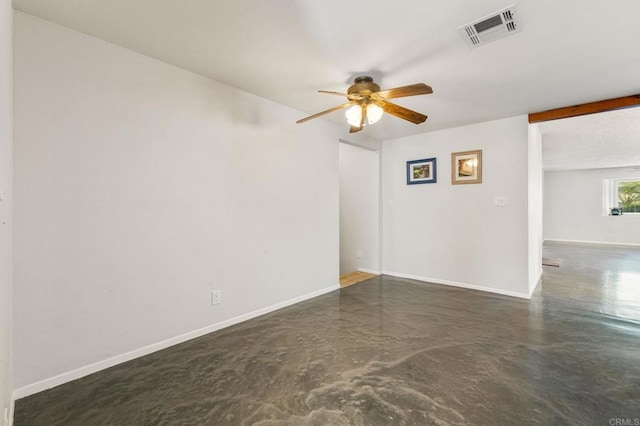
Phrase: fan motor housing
(363, 85)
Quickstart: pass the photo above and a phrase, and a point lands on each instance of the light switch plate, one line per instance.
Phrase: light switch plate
(501, 201)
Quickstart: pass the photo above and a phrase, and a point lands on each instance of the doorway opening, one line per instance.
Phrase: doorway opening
(359, 171)
(591, 167)
(589, 153)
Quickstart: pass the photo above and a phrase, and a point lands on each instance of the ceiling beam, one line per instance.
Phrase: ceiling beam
(584, 109)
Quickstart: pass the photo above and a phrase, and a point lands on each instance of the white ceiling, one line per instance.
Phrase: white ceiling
(609, 139)
(569, 51)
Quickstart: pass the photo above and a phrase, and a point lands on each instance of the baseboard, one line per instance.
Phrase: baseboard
(146, 350)
(459, 284)
(532, 289)
(12, 410)
(8, 420)
(369, 271)
(600, 243)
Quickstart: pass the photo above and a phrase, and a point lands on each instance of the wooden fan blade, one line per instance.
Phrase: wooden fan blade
(329, 92)
(351, 97)
(354, 129)
(311, 117)
(411, 90)
(402, 112)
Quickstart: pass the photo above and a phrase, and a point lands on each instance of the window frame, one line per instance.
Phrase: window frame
(611, 199)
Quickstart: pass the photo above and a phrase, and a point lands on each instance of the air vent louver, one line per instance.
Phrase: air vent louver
(491, 27)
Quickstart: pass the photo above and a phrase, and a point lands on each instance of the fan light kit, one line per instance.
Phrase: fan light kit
(373, 114)
(367, 103)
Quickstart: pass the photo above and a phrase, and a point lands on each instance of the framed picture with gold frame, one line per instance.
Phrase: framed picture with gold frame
(466, 167)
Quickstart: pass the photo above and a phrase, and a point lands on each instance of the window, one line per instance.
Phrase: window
(629, 196)
(623, 195)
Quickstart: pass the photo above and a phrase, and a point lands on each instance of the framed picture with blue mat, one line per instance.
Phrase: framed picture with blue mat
(421, 171)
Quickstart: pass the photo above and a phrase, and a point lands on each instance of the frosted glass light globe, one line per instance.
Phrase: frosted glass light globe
(374, 113)
(354, 115)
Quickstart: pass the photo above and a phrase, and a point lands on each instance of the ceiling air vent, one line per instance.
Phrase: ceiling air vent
(491, 27)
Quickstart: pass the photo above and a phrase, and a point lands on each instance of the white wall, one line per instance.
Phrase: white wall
(535, 205)
(452, 233)
(140, 187)
(573, 208)
(359, 208)
(6, 220)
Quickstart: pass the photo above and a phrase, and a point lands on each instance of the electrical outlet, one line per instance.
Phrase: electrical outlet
(215, 297)
(359, 253)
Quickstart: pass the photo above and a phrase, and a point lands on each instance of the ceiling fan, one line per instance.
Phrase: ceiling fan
(367, 103)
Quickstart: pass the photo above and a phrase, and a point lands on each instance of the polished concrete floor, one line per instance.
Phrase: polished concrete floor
(393, 351)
